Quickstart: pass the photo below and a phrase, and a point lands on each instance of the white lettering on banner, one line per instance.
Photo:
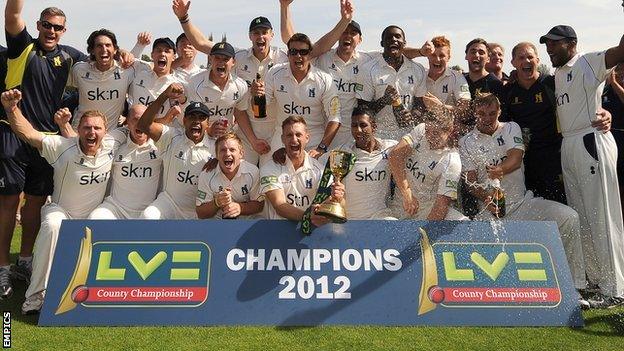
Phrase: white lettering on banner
(313, 259)
(305, 287)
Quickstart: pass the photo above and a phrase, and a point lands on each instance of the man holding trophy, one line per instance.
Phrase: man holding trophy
(290, 184)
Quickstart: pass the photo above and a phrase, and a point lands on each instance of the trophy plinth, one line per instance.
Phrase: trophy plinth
(339, 163)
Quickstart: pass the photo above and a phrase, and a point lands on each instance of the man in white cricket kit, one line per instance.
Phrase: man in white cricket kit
(367, 186)
(389, 79)
(101, 82)
(291, 187)
(426, 170)
(225, 95)
(229, 188)
(81, 171)
(300, 89)
(186, 55)
(135, 173)
(589, 157)
(494, 150)
(151, 79)
(184, 153)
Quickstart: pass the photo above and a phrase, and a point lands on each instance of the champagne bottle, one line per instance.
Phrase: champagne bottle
(259, 103)
(498, 198)
(397, 110)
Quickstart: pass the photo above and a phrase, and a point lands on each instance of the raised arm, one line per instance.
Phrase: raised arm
(13, 21)
(19, 123)
(287, 29)
(328, 40)
(62, 118)
(194, 35)
(146, 123)
(143, 40)
(614, 55)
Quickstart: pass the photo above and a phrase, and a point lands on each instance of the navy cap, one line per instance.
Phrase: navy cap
(356, 25)
(222, 48)
(558, 32)
(196, 107)
(260, 22)
(168, 42)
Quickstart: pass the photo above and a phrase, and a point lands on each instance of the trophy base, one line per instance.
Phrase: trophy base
(333, 211)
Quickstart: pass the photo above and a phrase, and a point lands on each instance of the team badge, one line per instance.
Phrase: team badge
(244, 190)
(57, 61)
(433, 164)
(569, 77)
(500, 141)
(236, 96)
(410, 80)
(152, 155)
(334, 105)
(538, 98)
(312, 92)
(308, 183)
(356, 69)
(445, 88)
(117, 75)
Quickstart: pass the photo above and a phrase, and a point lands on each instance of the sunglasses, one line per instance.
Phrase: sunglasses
(48, 25)
(302, 52)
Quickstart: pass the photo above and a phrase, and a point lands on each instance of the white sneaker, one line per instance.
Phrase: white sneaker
(33, 303)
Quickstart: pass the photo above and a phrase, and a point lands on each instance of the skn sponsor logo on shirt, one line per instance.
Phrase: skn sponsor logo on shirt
(220, 111)
(102, 95)
(295, 109)
(185, 177)
(372, 175)
(132, 171)
(347, 87)
(412, 167)
(298, 201)
(94, 178)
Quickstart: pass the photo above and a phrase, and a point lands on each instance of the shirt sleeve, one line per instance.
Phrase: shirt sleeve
(254, 194)
(243, 99)
(165, 138)
(450, 176)
(514, 137)
(461, 87)
(269, 178)
(204, 195)
(17, 44)
(413, 138)
(52, 146)
(598, 71)
(331, 102)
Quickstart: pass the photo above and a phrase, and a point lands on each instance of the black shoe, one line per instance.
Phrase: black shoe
(22, 270)
(6, 289)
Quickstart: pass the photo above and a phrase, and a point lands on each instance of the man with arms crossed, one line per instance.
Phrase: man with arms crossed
(589, 158)
(81, 171)
(184, 153)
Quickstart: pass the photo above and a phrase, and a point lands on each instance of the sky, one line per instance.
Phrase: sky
(598, 23)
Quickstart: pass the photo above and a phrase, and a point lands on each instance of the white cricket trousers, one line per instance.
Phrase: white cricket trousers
(589, 163)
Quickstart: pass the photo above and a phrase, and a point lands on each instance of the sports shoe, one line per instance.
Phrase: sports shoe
(6, 289)
(584, 304)
(601, 301)
(22, 270)
(33, 303)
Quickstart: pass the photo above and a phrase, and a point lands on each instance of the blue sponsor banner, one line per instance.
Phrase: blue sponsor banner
(265, 272)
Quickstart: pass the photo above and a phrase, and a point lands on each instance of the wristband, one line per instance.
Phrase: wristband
(184, 19)
(216, 203)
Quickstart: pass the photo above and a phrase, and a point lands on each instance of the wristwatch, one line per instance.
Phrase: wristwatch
(322, 147)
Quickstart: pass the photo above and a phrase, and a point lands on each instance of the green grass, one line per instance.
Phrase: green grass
(604, 330)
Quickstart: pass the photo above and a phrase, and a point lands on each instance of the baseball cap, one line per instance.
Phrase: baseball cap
(222, 48)
(558, 32)
(196, 107)
(260, 22)
(168, 42)
(356, 25)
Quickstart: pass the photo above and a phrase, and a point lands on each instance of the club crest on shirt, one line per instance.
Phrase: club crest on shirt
(236, 96)
(538, 98)
(308, 183)
(356, 69)
(445, 88)
(433, 164)
(410, 80)
(500, 140)
(117, 75)
(180, 155)
(311, 92)
(569, 77)
(152, 155)
(57, 61)
(244, 190)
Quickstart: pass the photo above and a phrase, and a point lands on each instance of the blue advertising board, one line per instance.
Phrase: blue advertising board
(267, 273)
